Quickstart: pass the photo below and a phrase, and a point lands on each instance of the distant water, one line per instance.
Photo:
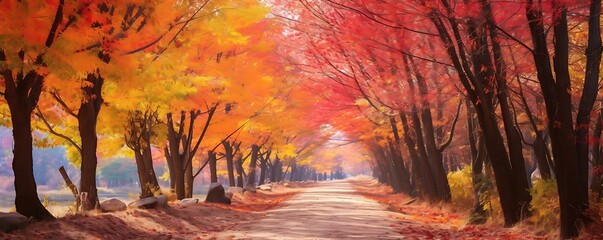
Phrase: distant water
(60, 200)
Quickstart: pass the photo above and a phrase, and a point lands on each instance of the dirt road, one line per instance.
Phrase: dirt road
(331, 210)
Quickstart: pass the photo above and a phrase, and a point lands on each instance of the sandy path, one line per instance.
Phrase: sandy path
(331, 210)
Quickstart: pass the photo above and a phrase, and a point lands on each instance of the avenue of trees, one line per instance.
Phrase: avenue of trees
(510, 86)
(507, 87)
(191, 82)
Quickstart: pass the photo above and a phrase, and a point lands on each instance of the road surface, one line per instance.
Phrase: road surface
(331, 210)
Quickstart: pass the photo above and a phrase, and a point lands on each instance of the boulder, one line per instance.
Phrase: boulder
(216, 194)
(265, 187)
(235, 190)
(162, 201)
(113, 205)
(188, 201)
(229, 195)
(145, 203)
(286, 185)
(12, 221)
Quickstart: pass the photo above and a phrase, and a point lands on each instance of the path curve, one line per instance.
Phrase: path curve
(331, 210)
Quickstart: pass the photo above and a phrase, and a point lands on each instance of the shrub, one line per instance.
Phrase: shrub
(545, 205)
(461, 188)
(463, 195)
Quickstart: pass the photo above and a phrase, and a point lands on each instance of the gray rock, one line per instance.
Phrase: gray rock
(162, 201)
(188, 201)
(286, 185)
(113, 205)
(145, 203)
(12, 221)
(265, 187)
(229, 195)
(216, 194)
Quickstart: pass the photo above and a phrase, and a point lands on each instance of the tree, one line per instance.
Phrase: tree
(571, 162)
(140, 129)
(23, 72)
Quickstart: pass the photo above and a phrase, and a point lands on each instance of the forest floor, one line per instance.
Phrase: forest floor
(360, 208)
(176, 222)
(416, 220)
(357, 208)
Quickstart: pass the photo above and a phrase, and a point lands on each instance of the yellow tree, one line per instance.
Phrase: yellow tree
(80, 68)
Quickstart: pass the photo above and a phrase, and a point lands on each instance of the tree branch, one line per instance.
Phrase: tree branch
(58, 18)
(53, 132)
(59, 100)
(456, 118)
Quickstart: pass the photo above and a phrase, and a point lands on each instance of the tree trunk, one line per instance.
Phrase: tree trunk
(145, 190)
(170, 164)
(423, 179)
(87, 118)
(264, 167)
(596, 180)
(188, 178)
(387, 169)
(428, 133)
(239, 167)
(571, 170)
(229, 162)
(213, 170)
(138, 139)
(482, 102)
(478, 213)
(147, 158)
(177, 159)
(26, 199)
(589, 95)
(276, 169)
(252, 165)
(540, 153)
(514, 142)
(403, 171)
(293, 172)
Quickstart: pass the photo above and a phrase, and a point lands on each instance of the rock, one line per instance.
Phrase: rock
(266, 187)
(145, 203)
(229, 195)
(188, 201)
(249, 189)
(12, 221)
(235, 190)
(216, 194)
(113, 205)
(162, 201)
(286, 184)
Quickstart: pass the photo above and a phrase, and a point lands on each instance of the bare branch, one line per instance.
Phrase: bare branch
(53, 132)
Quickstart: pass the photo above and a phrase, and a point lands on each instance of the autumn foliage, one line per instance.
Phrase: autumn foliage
(411, 91)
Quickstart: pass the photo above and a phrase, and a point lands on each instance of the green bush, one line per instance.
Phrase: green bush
(545, 205)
